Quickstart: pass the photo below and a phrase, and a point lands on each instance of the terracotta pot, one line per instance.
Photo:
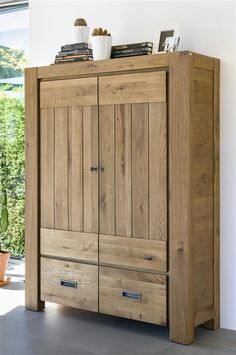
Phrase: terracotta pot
(4, 257)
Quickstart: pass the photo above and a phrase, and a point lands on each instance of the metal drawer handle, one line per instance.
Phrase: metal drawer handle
(132, 295)
(148, 257)
(72, 284)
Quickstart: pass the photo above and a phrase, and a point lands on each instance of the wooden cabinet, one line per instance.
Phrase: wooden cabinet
(122, 186)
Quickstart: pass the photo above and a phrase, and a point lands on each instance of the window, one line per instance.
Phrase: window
(13, 59)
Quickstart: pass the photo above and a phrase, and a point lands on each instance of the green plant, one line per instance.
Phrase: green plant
(3, 216)
(100, 32)
(80, 22)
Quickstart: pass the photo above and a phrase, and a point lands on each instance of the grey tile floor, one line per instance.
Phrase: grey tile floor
(65, 331)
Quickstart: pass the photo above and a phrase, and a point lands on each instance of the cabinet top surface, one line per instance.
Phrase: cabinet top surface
(120, 65)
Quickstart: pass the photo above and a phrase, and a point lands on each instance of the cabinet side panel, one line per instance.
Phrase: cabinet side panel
(202, 191)
(32, 280)
(180, 248)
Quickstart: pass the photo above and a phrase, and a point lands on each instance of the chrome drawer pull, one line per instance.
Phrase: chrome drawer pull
(148, 258)
(132, 295)
(72, 284)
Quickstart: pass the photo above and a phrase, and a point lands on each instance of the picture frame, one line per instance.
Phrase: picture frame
(166, 31)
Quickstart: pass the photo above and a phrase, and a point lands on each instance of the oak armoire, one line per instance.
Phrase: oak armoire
(122, 189)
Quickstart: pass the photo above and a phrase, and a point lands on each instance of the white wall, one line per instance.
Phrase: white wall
(207, 28)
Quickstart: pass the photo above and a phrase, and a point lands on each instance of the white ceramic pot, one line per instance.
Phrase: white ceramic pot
(101, 46)
(80, 34)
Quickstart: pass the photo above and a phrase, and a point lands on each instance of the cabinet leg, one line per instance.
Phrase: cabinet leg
(212, 324)
(182, 336)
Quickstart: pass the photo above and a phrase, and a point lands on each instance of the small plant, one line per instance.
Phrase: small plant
(80, 22)
(3, 215)
(100, 32)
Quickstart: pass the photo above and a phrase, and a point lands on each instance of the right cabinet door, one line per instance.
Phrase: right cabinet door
(133, 155)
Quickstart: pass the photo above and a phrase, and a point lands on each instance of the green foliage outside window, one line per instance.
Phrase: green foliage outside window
(12, 159)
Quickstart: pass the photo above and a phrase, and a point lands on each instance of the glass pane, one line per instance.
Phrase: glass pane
(13, 60)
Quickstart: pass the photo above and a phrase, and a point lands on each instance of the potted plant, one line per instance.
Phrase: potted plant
(101, 44)
(4, 255)
(80, 31)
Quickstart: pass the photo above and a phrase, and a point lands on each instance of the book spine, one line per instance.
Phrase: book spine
(135, 50)
(120, 55)
(70, 47)
(132, 46)
(62, 60)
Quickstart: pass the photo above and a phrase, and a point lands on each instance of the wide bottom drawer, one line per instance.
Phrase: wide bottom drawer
(133, 295)
(69, 283)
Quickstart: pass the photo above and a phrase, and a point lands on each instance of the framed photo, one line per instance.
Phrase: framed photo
(167, 31)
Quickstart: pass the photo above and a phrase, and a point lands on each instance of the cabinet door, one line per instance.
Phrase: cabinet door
(133, 155)
(69, 155)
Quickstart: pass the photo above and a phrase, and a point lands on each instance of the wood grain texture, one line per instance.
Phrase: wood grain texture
(181, 320)
(203, 315)
(85, 296)
(133, 252)
(147, 62)
(132, 88)
(152, 289)
(61, 169)
(76, 213)
(140, 170)
(69, 245)
(47, 168)
(62, 93)
(157, 171)
(202, 192)
(214, 323)
(32, 264)
(123, 169)
(90, 159)
(107, 176)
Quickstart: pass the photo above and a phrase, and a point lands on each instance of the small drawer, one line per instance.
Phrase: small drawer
(132, 294)
(133, 252)
(69, 245)
(69, 283)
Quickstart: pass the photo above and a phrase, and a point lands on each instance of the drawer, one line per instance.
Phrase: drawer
(132, 294)
(69, 92)
(132, 88)
(67, 244)
(69, 283)
(133, 252)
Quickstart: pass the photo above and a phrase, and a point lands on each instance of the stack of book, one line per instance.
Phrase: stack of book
(75, 52)
(132, 49)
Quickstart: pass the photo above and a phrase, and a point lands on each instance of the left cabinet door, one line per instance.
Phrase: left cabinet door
(69, 155)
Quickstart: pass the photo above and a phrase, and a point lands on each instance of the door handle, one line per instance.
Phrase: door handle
(93, 168)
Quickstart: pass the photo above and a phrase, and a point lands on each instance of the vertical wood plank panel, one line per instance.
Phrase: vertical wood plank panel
(140, 170)
(47, 167)
(106, 161)
(75, 169)
(215, 322)
(32, 249)
(181, 320)
(61, 169)
(157, 171)
(90, 159)
(123, 169)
